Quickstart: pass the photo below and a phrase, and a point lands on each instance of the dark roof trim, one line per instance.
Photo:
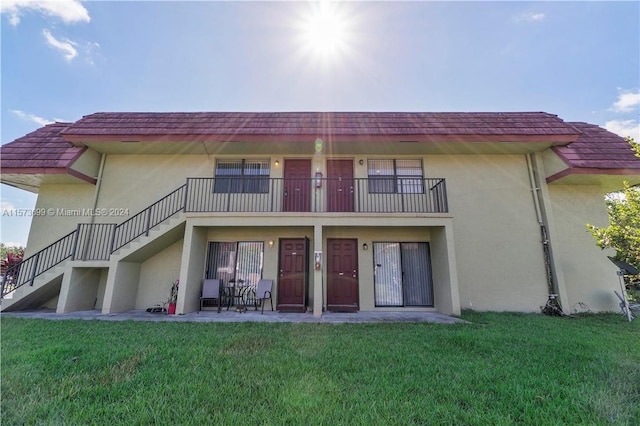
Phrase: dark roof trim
(47, 171)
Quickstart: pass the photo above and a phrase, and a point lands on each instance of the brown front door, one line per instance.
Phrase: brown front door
(342, 275)
(340, 185)
(297, 186)
(292, 282)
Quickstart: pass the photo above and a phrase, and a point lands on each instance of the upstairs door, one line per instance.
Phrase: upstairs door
(292, 282)
(340, 185)
(342, 275)
(297, 186)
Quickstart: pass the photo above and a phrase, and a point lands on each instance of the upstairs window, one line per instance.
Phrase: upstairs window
(242, 176)
(395, 176)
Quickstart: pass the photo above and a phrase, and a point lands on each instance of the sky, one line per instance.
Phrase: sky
(64, 59)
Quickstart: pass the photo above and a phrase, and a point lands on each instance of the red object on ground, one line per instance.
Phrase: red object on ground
(172, 309)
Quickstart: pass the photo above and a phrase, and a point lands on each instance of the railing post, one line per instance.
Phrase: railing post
(34, 269)
(75, 243)
(445, 202)
(186, 195)
(148, 221)
(272, 194)
(113, 239)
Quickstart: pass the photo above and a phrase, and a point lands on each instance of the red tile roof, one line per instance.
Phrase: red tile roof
(586, 147)
(597, 148)
(40, 151)
(498, 125)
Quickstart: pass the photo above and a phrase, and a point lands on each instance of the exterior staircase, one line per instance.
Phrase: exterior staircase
(37, 279)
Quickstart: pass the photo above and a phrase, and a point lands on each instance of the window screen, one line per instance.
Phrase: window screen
(395, 176)
(242, 176)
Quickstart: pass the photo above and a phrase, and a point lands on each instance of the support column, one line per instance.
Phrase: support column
(79, 290)
(318, 283)
(194, 251)
(445, 275)
(122, 287)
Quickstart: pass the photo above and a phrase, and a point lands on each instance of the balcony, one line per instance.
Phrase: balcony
(279, 195)
(97, 241)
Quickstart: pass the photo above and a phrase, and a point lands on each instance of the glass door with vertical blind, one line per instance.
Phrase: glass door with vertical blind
(236, 261)
(402, 274)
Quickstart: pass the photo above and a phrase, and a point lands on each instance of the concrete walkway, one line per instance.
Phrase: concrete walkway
(249, 316)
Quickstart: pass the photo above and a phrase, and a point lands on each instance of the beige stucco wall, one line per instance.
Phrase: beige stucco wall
(552, 163)
(157, 274)
(60, 205)
(590, 277)
(88, 163)
(130, 182)
(496, 234)
(135, 181)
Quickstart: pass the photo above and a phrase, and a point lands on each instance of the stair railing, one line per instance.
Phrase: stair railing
(95, 241)
(148, 218)
(26, 271)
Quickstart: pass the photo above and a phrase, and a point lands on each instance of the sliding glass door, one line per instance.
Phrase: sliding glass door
(235, 261)
(402, 274)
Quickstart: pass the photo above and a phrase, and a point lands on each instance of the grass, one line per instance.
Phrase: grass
(501, 369)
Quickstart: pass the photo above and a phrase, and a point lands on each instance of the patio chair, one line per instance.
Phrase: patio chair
(263, 292)
(211, 290)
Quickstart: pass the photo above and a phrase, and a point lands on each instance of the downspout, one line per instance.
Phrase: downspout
(103, 157)
(96, 195)
(534, 181)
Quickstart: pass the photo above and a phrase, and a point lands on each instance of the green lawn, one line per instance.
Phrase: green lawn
(501, 369)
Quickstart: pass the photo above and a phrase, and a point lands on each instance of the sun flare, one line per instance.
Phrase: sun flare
(325, 29)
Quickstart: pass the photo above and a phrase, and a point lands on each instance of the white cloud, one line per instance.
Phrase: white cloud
(627, 101)
(69, 11)
(66, 46)
(91, 50)
(31, 117)
(624, 128)
(531, 17)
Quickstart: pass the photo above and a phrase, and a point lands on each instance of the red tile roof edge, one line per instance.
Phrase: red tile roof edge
(106, 125)
(593, 139)
(57, 158)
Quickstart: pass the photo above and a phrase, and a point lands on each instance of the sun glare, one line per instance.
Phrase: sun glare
(325, 29)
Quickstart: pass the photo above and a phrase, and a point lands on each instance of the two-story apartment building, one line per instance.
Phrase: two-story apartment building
(345, 211)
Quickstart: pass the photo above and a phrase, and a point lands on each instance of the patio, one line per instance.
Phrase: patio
(248, 316)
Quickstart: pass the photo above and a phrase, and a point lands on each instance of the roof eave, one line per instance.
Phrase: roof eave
(593, 171)
(7, 171)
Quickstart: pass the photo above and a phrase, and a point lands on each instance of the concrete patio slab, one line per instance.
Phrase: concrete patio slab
(249, 316)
